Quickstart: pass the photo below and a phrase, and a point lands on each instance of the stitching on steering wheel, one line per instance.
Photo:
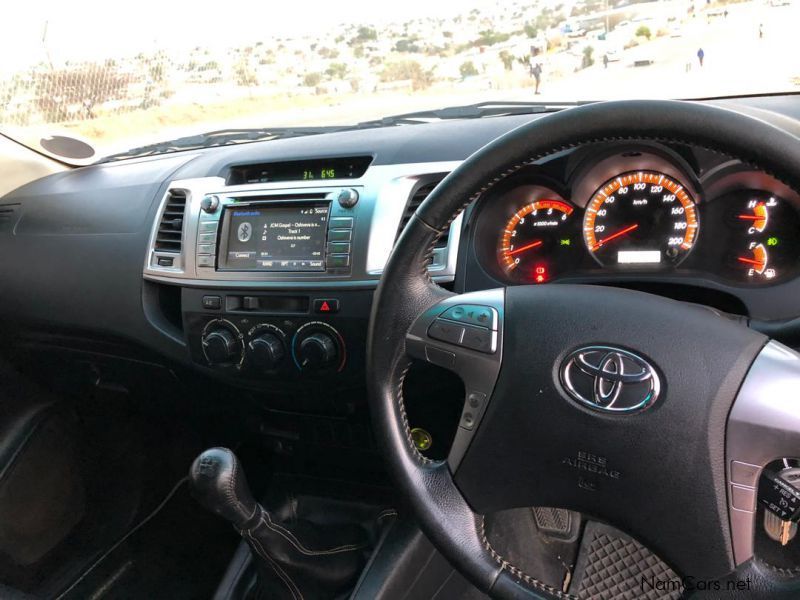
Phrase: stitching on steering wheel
(519, 573)
(404, 417)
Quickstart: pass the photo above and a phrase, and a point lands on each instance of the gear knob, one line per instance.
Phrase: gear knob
(217, 482)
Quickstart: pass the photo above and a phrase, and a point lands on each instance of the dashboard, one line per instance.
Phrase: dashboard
(640, 210)
(257, 262)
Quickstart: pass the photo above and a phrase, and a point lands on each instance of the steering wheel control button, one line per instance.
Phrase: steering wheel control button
(610, 379)
(212, 302)
(440, 358)
(483, 316)
(475, 400)
(468, 420)
(326, 306)
(473, 408)
(445, 331)
(478, 338)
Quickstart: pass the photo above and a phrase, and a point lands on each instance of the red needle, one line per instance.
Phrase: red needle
(750, 261)
(750, 217)
(528, 247)
(605, 240)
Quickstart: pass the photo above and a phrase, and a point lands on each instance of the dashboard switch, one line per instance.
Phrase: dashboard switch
(338, 260)
(341, 222)
(212, 302)
(340, 235)
(250, 303)
(348, 198)
(326, 305)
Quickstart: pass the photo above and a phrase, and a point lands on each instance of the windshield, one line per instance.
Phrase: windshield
(123, 77)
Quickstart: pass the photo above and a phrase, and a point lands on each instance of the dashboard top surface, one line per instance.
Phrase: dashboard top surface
(84, 233)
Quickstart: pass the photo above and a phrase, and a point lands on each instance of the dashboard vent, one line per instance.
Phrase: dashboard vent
(421, 191)
(170, 228)
(8, 217)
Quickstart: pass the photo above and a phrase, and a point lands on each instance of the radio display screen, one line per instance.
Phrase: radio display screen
(274, 237)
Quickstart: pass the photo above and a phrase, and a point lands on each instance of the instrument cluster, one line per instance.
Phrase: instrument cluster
(640, 211)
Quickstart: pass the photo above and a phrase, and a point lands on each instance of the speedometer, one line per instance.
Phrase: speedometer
(640, 218)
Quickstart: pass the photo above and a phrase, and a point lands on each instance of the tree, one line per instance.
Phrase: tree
(530, 30)
(88, 86)
(490, 37)
(244, 72)
(406, 45)
(507, 60)
(588, 58)
(643, 31)
(337, 70)
(365, 34)
(468, 69)
(408, 69)
(312, 79)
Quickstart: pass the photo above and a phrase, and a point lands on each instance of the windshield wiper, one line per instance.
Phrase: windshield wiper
(470, 111)
(222, 137)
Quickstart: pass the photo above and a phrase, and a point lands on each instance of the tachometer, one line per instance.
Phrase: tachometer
(534, 238)
(643, 218)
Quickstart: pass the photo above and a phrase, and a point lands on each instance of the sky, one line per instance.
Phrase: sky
(78, 29)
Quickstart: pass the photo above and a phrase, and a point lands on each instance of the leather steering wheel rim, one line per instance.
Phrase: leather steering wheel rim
(406, 291)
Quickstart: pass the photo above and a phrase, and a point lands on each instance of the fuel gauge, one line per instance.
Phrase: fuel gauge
(756, 261)
(765, 236)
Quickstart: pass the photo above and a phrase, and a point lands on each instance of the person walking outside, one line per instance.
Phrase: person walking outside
(536, 73)
(700, 56)
(605, 61)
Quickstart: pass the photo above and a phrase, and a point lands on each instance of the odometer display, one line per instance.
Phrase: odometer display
(643, 218)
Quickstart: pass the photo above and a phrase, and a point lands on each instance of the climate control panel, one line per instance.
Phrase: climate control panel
(278, 336)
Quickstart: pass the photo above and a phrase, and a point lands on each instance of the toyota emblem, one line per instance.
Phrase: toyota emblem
(610, 379)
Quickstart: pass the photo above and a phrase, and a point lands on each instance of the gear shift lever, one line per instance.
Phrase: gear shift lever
(218, 483)
(294, 560)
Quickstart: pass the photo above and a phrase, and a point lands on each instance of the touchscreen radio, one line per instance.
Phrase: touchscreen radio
(274, 237)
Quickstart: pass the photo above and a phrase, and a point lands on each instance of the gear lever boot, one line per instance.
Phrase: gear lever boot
(297, 559)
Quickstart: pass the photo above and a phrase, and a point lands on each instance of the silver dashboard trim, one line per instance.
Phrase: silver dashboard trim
(384, 191)
(763, 425)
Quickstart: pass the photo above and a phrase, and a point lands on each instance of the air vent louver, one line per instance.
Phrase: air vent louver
(170, 228)
(417, 197)
(8, 217)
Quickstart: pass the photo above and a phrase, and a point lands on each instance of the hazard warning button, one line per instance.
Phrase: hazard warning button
(326, 305)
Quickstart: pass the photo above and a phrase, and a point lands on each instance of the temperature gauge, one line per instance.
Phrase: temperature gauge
(765, 235)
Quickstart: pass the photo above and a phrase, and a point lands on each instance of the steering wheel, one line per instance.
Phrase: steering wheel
(650, 414)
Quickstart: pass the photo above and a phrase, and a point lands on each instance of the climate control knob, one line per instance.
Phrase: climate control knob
(266, 351)
(317, 351)
(222, 345)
